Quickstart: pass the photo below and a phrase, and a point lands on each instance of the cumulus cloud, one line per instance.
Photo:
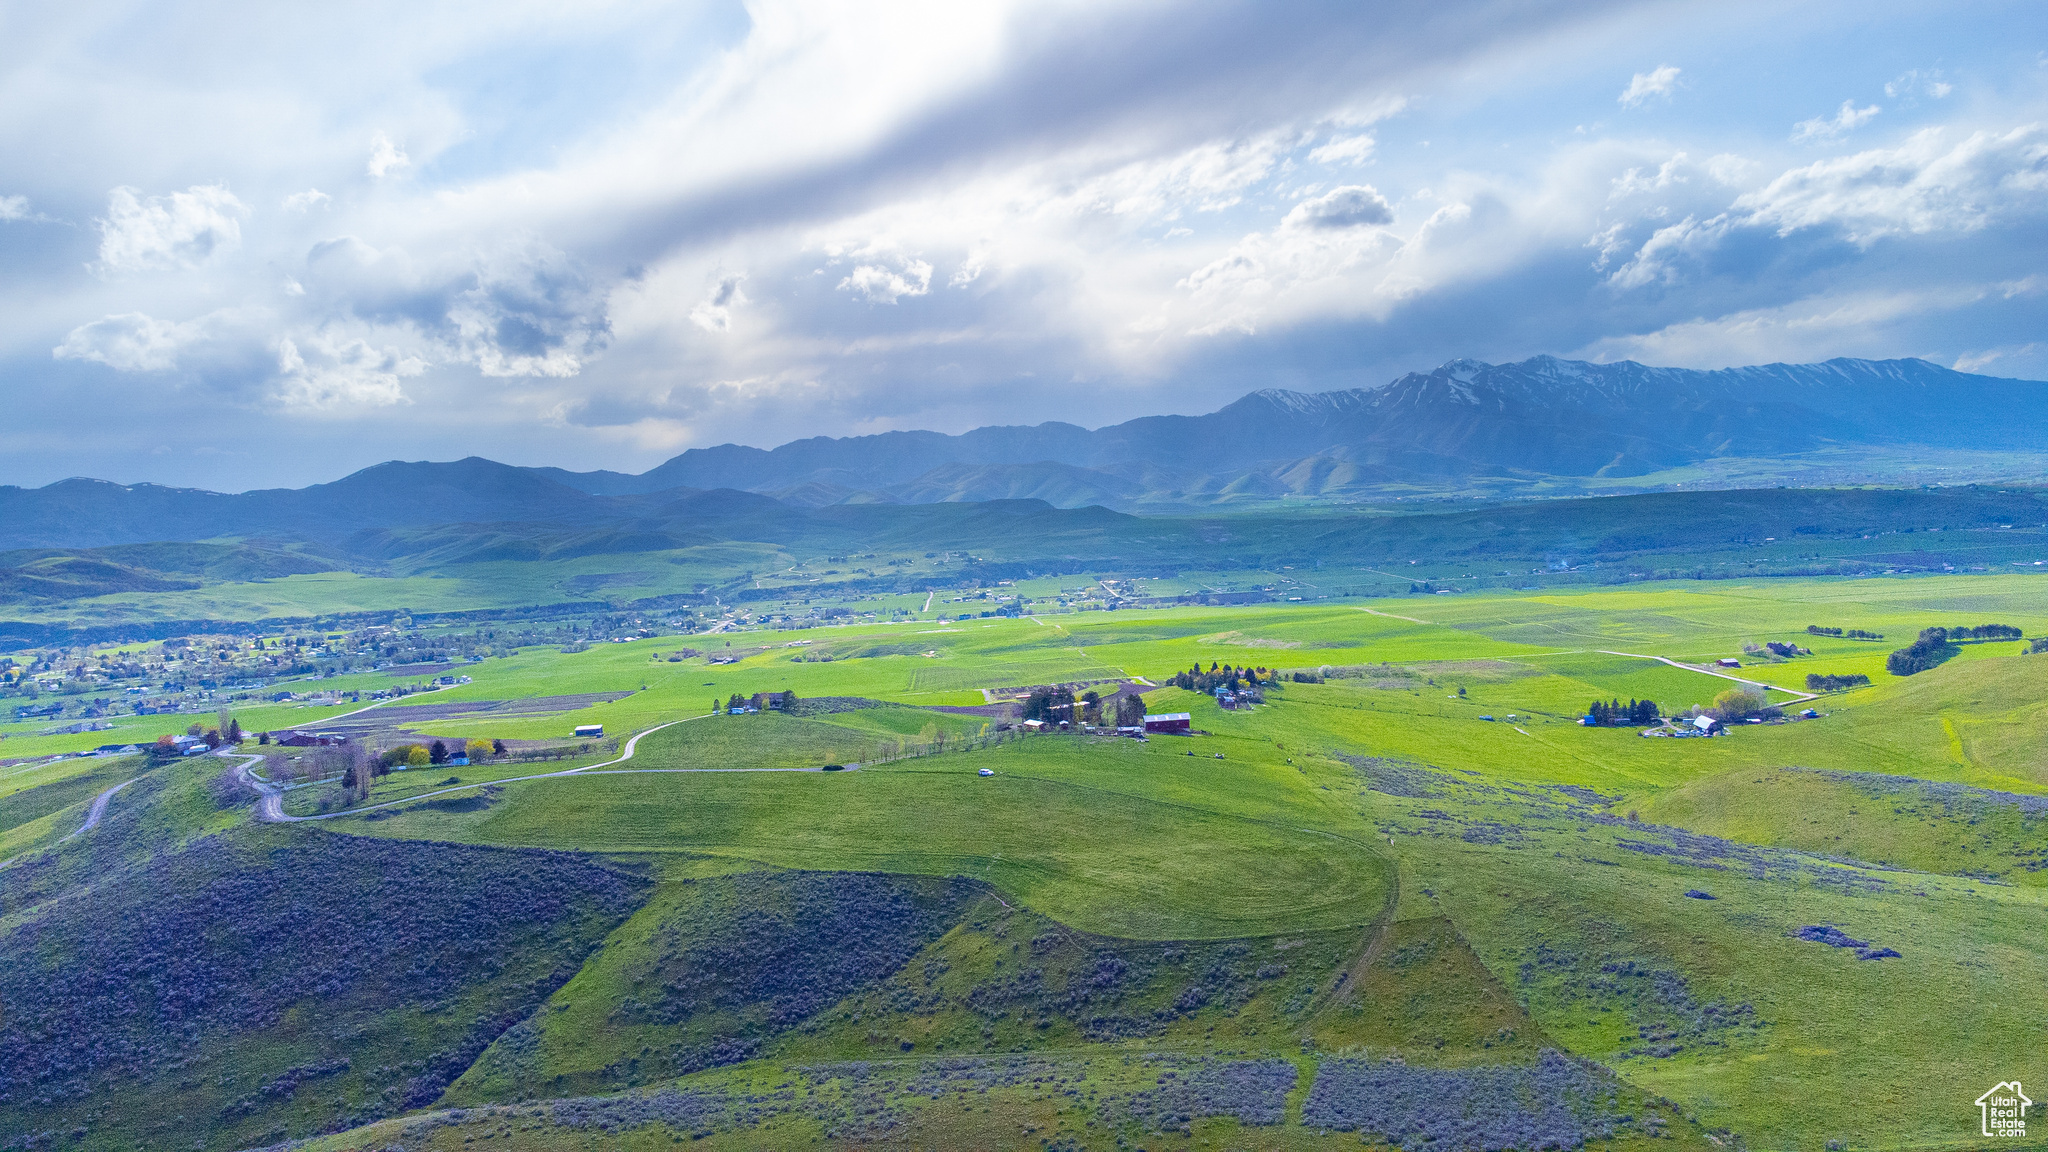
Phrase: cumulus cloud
(163, 233)
(1659, 259)
(1187, 212)
(1926, 186)
(1345, 150)
(13, 208)
(1922, 186)
(385, 157)
(130, 342)
(1636, 181)
(323, 373)
(880, 285)
(715, 313)
(1644, 85)
(1847, 119)
(1351, 206)
(519, 308)
(529, 311)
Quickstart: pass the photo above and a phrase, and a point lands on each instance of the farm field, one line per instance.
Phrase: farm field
(1406, 898)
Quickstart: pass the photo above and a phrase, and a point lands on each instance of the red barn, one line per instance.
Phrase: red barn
(1168, 722)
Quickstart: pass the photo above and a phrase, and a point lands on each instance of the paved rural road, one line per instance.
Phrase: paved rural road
(1801, 697)
(270, 806)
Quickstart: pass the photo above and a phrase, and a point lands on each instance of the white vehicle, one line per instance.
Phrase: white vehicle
(988, 771)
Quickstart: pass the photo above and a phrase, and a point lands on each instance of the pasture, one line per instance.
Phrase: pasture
(1375, 862)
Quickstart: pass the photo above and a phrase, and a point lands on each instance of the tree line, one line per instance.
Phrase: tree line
(1220, 676)
(1935, 645)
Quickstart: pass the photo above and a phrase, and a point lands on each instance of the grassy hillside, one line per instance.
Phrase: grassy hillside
(259, 984)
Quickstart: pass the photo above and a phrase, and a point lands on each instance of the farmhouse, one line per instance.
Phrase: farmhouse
(310, 739)
(1706, 724)
(1729, 662)
(1168, 722)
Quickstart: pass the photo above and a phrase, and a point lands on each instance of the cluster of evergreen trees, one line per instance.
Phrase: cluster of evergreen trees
(1816, 682)
(1935, 645)
(1929, 650)
(1615, 712)
(1055, 704)
(759, 701)
(1220, 677)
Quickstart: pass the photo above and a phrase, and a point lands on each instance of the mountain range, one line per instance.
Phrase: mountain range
(1543, 419)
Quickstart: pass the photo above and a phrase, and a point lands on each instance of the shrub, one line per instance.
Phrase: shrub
(1554, 1103)
(172, 959)
(1817, 682)
(1254, 1092)
(758, 953)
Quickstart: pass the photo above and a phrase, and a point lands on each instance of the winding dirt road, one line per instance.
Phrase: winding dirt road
(270, 805)
(92, 819)
(98, 809)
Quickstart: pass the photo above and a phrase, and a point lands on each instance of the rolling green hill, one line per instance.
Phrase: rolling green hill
(1406, 898)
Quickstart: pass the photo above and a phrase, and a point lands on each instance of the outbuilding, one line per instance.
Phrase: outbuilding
(1169, 722)
(589, 730)
(310, 740)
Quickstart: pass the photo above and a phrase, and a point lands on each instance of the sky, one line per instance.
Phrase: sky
(254, 245)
